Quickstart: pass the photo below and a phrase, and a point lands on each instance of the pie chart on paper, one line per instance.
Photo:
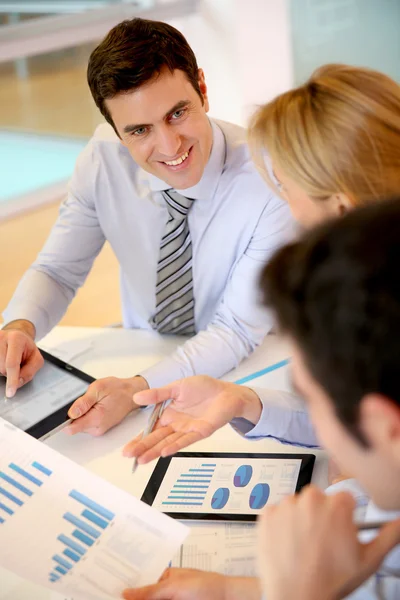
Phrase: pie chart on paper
(242, 476)
(259, 496)
(220, 498)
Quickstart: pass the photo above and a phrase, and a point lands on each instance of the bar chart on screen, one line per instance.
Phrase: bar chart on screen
(71, 531)
(191, 487)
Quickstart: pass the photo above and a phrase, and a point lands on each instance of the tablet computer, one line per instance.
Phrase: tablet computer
(40, 407)
(223, 486)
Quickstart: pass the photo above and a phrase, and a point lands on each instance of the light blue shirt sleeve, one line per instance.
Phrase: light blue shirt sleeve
(284, 418)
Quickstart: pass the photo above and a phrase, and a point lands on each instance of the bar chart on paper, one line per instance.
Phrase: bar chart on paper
(84, 530)
(57, 531)
(17, 485)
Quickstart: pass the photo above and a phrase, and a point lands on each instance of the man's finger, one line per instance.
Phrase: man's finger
(13, 367)
(83, 404)
(30, 368)
(173, 442)
(91, 423)
(155, 396)
(139, 446)
(158, 591)
(183, 442)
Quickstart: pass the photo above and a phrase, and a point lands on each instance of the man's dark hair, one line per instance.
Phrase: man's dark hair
(133, 53)
(336, 292)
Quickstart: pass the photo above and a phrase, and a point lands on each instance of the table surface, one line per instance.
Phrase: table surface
(123, 353)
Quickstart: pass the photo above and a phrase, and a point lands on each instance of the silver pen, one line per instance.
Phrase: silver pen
(155, 415)
(371, 525)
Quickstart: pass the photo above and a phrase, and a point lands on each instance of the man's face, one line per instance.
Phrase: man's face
(164, 126)
(377, 467)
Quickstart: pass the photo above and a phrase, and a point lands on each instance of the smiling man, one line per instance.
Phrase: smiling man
(187, 215)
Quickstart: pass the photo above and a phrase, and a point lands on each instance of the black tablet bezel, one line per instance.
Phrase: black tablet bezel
(305, 474)
(59, 416)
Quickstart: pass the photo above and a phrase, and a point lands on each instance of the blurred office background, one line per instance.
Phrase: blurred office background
(250, 50)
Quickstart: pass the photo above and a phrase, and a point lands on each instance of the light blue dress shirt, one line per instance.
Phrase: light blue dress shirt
(236, 223)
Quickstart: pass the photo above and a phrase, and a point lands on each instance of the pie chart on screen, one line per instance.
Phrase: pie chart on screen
(259, 496)
(242, 476)
(220, 498)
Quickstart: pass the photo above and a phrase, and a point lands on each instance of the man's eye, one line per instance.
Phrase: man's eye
(177, 114)
(139, 131)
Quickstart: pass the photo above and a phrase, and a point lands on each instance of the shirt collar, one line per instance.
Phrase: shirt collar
(208, 183)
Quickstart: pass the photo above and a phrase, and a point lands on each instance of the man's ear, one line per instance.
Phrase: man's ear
(203, 89)
(380, 423)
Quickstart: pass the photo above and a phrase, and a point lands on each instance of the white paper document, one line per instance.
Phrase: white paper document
(226, 548)
(71, 531)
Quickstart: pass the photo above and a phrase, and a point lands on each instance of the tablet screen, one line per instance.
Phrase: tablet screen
(51, 389)
(214, 486)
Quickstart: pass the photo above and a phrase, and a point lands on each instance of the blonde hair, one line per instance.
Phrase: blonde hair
(337, 133)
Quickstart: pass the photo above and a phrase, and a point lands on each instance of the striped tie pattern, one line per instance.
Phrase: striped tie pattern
(174, 290)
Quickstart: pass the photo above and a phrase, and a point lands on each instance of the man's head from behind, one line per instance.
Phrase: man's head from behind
(336, 293)
(145, 80)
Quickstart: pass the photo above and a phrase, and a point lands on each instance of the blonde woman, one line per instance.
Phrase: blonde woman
(328, 146)
(333, 143)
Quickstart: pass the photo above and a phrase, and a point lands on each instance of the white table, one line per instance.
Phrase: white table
(122, 353)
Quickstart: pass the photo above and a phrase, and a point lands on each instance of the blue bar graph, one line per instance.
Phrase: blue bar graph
(185, 503)
(72, 555)
(201, 470)
(198, 487)
(88, 527)
(95, 519)
(186, 498)
(41, 468)
(196, 492)
(193, 481)
(2, 520)
(54, 577)
(61, 561)
(11, 497)
(196, 475)
(15, 483)
(17, 477)
(97, 508)
(25, 474)
(82, 537)
(6, 509)
(82, 525)
(191, 487)
(71, 544)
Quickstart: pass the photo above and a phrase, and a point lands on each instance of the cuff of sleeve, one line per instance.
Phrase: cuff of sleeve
(34, 314)
(283, 418)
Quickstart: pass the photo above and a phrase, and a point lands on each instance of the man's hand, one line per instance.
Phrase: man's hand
(20, 358)
(105, 404)
(309, 547)
(199, 406)
(190, 584)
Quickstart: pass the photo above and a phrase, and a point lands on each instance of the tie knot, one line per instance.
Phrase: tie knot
(178, 205)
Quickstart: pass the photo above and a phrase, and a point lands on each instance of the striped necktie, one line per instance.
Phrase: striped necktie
(174, 290)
